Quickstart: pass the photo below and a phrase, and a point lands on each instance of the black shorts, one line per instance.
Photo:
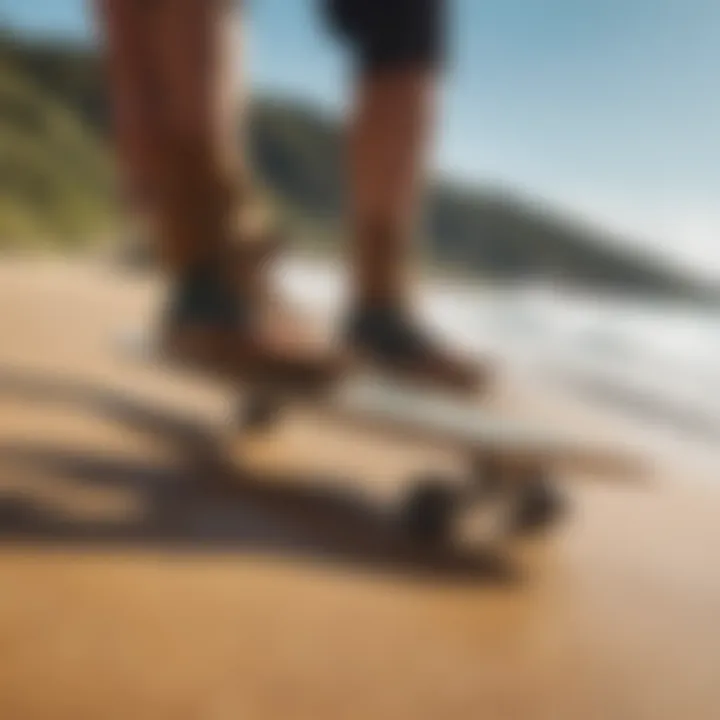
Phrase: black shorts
(389, 33)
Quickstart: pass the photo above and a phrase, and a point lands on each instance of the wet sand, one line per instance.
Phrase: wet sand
(133, 585)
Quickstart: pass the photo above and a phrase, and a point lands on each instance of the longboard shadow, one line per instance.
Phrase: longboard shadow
(201, 504)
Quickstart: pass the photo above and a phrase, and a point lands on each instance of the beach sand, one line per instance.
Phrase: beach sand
(132, 587)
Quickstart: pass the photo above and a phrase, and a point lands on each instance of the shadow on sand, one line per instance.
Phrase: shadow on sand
(200, 503)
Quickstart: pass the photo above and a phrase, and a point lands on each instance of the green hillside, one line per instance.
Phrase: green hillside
(55, 172)
(56, 182)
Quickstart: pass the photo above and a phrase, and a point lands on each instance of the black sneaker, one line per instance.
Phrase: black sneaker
(212, 326)
(203, 298)
(391, 339)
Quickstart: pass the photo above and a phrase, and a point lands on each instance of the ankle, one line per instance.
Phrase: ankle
(202, 295)
(381, 265)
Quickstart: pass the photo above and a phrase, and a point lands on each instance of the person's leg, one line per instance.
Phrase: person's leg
(127, 31)
(163, 100)
(399, 48)
(193, 57)
(389, 136)
(171, 83)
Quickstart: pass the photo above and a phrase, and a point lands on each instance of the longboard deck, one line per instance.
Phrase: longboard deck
(372, 402)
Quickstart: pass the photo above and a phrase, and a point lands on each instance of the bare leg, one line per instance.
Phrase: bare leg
(128, 33)
(171, 72)
(193, 60)
(399, 46)
(389, 138)
(175, 81)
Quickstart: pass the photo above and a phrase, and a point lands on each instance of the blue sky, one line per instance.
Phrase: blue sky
(608, 108)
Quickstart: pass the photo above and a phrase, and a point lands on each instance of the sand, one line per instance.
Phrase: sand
(131, 586)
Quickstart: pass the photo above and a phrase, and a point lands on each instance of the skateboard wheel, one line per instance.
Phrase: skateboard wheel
(539, 503)
(429, 511)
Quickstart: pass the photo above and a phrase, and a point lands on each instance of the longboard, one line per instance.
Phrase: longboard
(508, 462)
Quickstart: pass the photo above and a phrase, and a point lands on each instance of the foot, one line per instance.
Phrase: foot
(212, 324)
(392, 340)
